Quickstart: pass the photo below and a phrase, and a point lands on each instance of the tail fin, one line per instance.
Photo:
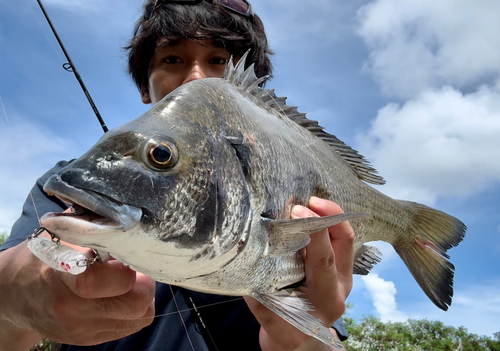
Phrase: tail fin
(434, 232)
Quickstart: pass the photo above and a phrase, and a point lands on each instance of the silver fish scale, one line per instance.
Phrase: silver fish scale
(244, 275)
(277, 180)
(234, 214)
(306, 166)
(183, 206)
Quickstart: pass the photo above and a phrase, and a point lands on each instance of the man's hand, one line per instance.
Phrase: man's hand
(106, 302)
(328, 264)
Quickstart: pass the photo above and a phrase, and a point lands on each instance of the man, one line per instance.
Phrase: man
(174, 42)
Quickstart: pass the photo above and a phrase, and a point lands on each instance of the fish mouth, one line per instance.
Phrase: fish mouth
(99, 211)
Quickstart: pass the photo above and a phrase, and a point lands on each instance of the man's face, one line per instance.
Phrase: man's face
(174, 64)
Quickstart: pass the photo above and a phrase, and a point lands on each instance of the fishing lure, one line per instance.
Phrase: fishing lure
(58, 256)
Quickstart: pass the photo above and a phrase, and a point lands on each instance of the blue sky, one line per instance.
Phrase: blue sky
(414, 86)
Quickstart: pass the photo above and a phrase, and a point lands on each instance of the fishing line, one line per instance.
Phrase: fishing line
(9, 127)
(194, 308)
(200, 320)
(44, 32)
(70, 67)
(180, 315)
(11, 133)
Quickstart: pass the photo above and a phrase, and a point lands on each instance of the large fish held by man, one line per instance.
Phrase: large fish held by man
(197, 192)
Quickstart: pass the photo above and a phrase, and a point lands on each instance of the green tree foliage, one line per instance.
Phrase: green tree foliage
(370, 334)
(3, 237)
(46, 345)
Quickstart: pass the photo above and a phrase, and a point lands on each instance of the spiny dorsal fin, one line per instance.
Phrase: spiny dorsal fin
(248, 81)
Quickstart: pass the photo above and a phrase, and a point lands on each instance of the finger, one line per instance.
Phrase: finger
(119, 329)
(275, 327)
(341, 236)
(324, 207)
(319, 251)
(100, 280)
(96, 331)
(127, 325)
(323, 285)
(131, 305)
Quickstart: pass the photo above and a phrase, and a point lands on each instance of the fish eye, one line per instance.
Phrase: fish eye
(161, 155)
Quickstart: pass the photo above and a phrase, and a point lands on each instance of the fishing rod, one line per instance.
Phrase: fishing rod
(42, 247)
(70, 67)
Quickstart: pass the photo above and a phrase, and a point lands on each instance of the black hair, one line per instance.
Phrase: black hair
(205, 20)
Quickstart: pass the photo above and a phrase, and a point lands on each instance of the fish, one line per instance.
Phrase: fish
(198, 192)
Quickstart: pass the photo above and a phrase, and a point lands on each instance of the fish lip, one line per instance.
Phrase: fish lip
(115, 215)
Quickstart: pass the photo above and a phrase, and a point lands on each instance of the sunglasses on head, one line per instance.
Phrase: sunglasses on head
(241, 7)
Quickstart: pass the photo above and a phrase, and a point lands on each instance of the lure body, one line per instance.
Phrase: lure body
(58, 256)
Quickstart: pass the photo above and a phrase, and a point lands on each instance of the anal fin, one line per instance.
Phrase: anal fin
(294, 309)
(365, 258)
(287, 236)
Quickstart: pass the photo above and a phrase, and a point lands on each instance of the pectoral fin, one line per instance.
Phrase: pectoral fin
(294, 309)
(287, 236)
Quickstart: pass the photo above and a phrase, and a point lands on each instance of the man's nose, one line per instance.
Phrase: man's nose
(196, 71)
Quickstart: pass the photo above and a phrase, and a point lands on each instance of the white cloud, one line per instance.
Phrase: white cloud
(383, 294)
(442, 143)
(28, 151)
(476, 307)
(419, 44)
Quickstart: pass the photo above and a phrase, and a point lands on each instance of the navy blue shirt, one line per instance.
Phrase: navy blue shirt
(213, 322)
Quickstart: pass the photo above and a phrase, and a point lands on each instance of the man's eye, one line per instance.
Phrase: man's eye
(218, 61)
(172, 59)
